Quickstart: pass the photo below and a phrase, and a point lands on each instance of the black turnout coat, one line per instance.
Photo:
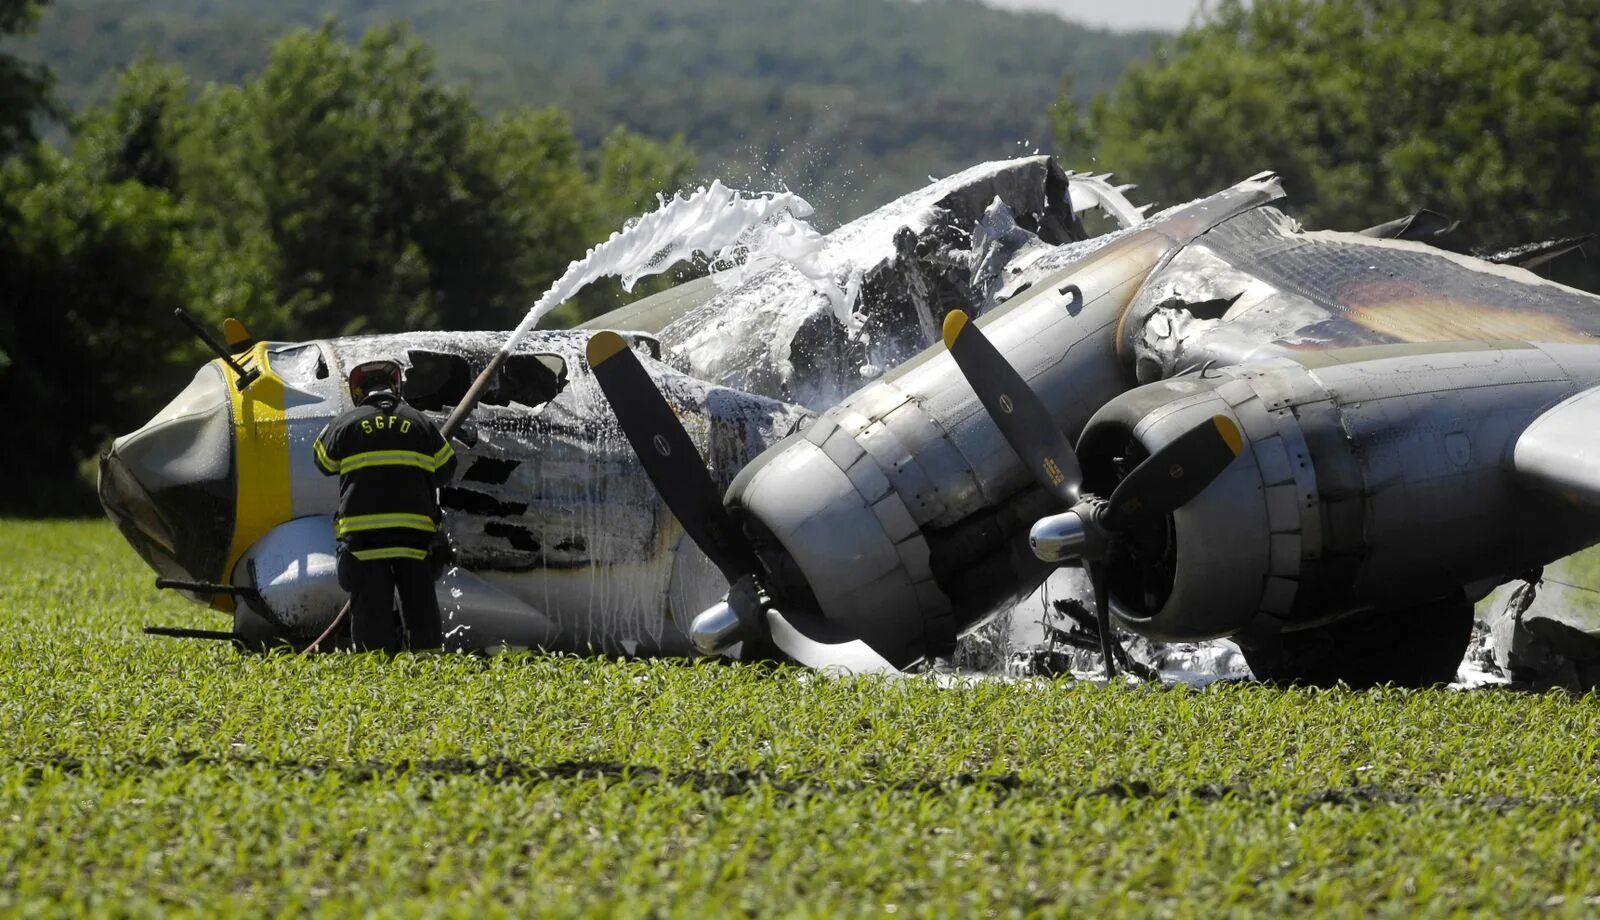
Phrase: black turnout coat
(391, 461)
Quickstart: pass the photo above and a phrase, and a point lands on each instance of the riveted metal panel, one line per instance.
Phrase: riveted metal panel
(877, 400)
(1273, 460)
(849, 420)
(820, 429)
(868, 478)
(904, 472)
(1283, 510)
(1307, 496)
(1257, 423)
(1277, 598)
(813, 508)
(914, 555)
(889, 622)
(1284, 555)
(1296, 387)
(1235, 392)
(941, 463)
(843, 450)
(895, 518)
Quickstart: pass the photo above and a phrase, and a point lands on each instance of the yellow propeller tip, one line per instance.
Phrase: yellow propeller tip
(954, 322)
(1230, 433)
(602, 345)
(234, 333)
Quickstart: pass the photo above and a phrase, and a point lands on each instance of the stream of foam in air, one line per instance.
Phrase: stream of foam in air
(721, 223)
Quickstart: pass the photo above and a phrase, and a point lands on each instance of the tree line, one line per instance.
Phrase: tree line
(1487, 111)
(848, 102)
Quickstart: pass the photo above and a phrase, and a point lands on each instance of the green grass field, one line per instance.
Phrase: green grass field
(151, 777)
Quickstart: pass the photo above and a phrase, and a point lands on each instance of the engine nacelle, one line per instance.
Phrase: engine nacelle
(902, 513)
(1372, 478)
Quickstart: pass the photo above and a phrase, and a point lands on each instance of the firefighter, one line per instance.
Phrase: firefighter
(390, 461)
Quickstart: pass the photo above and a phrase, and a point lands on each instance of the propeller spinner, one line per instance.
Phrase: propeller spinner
(679, 474)
(1094, 529)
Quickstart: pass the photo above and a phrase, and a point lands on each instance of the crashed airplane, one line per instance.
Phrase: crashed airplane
(1394, 430)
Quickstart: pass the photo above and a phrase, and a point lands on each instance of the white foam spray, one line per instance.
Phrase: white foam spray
(796, 243)
(716, 221)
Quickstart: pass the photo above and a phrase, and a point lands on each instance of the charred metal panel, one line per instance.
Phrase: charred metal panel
(1379, 291)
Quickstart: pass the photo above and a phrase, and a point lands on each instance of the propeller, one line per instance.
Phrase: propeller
(679, 474)
(1093, 530)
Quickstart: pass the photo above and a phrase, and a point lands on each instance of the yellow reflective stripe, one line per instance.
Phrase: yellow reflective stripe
(387, 458)
(390, 552)
(443, 455)
(323, 460)
(360, 522)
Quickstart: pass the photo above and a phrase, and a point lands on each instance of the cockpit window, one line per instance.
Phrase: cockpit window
(531, 380)
(436, 381)
(298, 365)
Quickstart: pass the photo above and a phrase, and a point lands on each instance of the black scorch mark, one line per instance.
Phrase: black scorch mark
(491, 471)
(478, 503)
(520, 538)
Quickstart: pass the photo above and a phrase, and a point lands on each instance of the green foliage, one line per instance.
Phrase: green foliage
(95, 268)
(1487, 111)
(133, 138)
(154, 776)
(366, 187)
(850, 102)
(24, 86)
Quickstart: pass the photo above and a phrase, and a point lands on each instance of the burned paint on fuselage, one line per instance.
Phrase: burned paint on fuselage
(1282, 289)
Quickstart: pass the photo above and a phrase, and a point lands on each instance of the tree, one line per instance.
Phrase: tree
(1488, 111)
(365, 195)
(24, 87)
(134, 138)
(95, 270)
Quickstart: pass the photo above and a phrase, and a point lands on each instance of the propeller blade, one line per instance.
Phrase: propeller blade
(1015, 408)
(675, 467)
(1176, 473)
(668, 455)
(816, 643)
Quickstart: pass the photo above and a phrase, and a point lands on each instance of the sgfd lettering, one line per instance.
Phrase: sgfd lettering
(385, 423)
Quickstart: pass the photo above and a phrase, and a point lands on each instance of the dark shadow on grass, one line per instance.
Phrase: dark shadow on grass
(738, 782)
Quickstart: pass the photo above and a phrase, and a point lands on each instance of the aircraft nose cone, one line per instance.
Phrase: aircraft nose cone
(169, 486)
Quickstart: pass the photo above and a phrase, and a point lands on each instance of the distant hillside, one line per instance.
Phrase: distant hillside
(846, 101)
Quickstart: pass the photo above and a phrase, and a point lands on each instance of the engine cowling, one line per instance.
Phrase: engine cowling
(1372, 479)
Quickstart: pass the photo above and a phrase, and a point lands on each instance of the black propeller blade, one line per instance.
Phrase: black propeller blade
(676, 469)
(1165, 481)
(1175, 474)
(669, 457)
(1021, 417)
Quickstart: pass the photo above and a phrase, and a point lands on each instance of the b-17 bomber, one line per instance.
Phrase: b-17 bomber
(1325, 446)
